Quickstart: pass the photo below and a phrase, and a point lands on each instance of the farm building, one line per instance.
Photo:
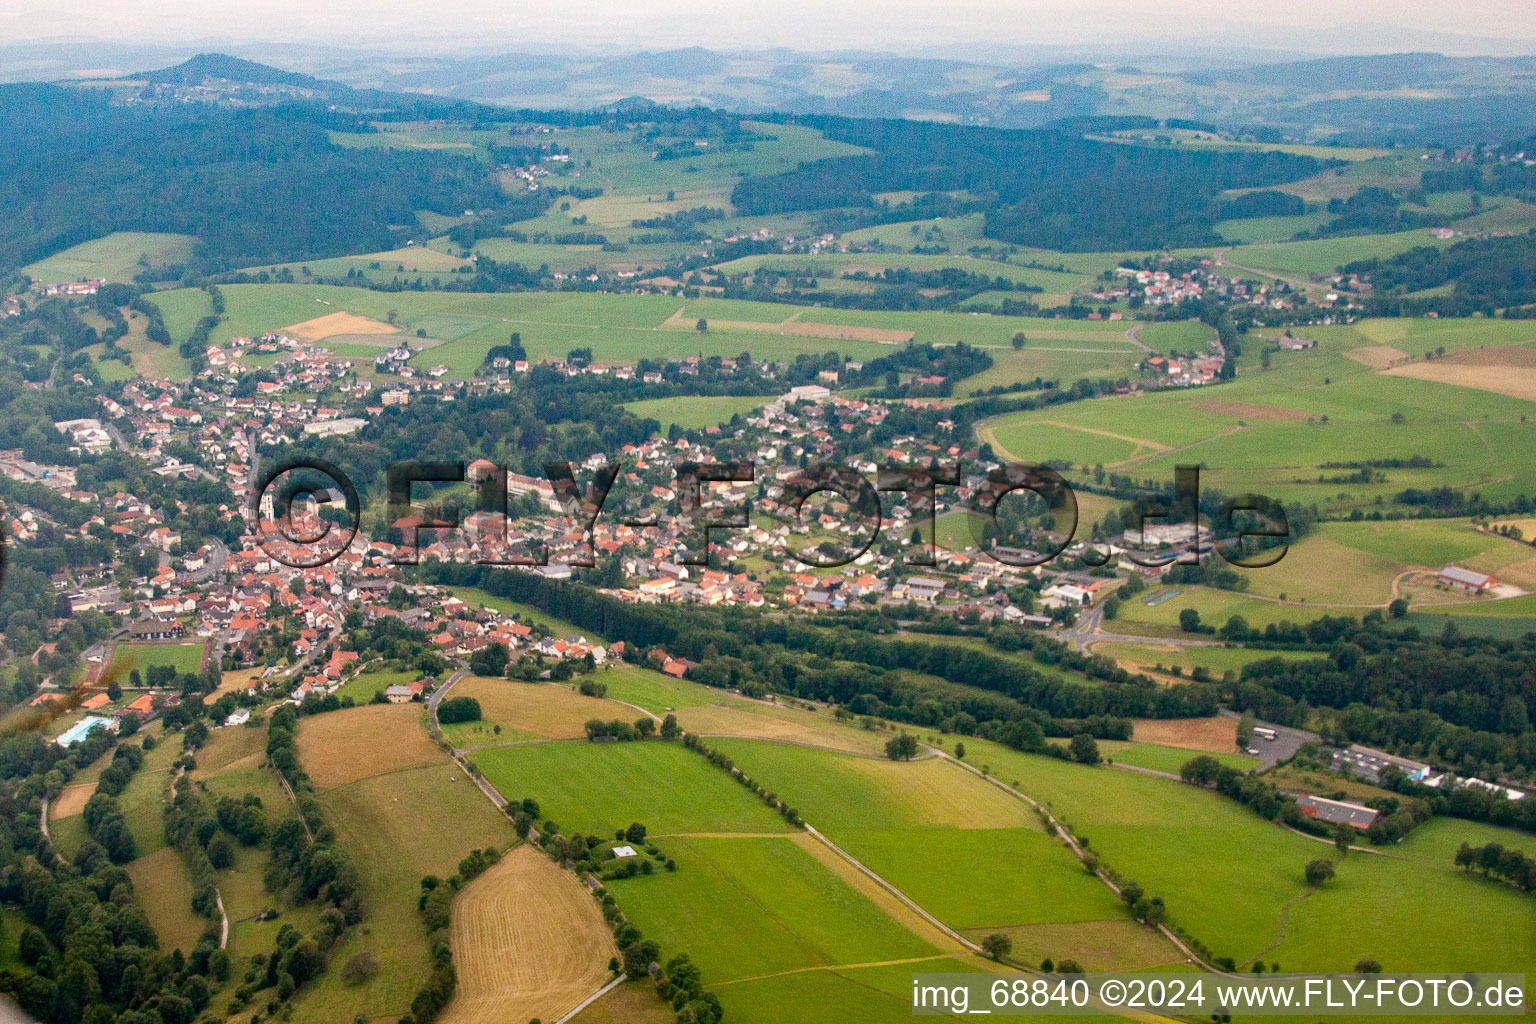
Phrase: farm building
(1337, 812)
(1465, 579)
(399, 694)
(1368, 763)
(1294, 344)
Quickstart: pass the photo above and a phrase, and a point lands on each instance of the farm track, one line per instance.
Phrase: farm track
(834, 967)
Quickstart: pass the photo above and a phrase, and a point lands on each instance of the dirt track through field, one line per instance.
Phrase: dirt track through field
(528, 941)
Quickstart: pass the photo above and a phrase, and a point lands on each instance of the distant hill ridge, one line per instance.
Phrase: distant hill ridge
(205, 66)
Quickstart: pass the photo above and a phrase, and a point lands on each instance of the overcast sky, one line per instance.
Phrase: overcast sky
(801, 24)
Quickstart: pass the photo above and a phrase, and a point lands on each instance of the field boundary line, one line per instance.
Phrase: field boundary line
(1077, 850)
(835, 967)
(888, 887)
(594, 997)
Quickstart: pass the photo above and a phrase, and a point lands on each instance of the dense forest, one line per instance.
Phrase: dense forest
(1485, 274)
(1038, 188)
(255, 186)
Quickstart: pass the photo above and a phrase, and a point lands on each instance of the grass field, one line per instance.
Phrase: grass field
(114, 257)
(341, 747)
(1285, 431)
(696, 413)
(801, 914)
(1165, 759)
(527, 711)
(742, 718)
(868, 793)
(397, 826)
(364, 685)
(1217, 660)
(528, 943)
(1176, 336)
(1251, 898)
(624, 328)
(165, 892)
(653, 691)
(594, 788)
(184, 658)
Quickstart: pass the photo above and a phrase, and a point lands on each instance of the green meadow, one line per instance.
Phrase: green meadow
(802, 914)
(114, 257)
(594, 788)
(1236, 882)
(695, 412)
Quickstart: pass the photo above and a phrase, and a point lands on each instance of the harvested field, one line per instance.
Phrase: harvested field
(528, 941)
(336, 323)
(844, 332)
(1215, 735)
(1522, 574)
(344, 746)
(71, 801)
(784, 725)
(233, 682)
(1514, 381)
(546, 710)
(1377, 357)
(1249, 411)
(1494, 355)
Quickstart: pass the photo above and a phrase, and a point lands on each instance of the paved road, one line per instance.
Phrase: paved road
(215, 563)
(1089, 629)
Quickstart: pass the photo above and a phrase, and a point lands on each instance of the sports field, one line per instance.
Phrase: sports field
(184, 658)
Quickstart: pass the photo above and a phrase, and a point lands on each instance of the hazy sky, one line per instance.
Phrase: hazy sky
(802, 24)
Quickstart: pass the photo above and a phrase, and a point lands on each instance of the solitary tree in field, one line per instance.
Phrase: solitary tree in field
(1018, 340)
(1367, 967)
(997, 946)
(1083, 749)
(960, 751)
(1318, 872)
(901, 748)
(669, 727)
(702, 325)
(1343, 835)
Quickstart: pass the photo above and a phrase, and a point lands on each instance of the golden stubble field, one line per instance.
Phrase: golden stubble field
(344, 746)
(528, 942)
